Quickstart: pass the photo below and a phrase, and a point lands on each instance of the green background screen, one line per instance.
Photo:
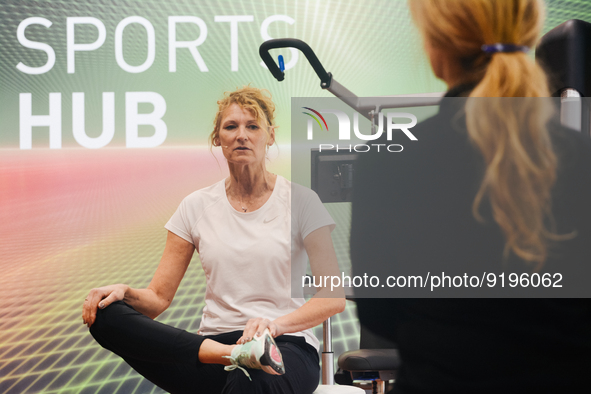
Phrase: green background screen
(76, 215)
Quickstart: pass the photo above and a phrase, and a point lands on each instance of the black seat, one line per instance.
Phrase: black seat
(377, 360)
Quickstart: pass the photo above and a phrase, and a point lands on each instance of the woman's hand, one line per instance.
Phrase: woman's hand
(157, 297)
(256, 326)
(101, 297)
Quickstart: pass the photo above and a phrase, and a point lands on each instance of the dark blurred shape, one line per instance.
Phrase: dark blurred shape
(565, 53)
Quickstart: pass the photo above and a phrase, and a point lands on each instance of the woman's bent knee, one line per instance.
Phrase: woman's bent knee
(106, 321)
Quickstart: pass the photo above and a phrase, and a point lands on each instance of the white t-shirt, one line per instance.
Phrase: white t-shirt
(249, 258)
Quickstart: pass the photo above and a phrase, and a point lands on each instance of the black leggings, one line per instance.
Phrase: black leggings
(168, 357)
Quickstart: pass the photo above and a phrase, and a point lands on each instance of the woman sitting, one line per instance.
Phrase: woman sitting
(254, 232)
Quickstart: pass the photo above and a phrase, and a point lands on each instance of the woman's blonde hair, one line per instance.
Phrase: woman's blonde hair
(512, 136)
(257, 101)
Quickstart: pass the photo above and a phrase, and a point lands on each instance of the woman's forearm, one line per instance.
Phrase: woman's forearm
(153, 300)
(309, 315)
(146, 301)
(327, 301)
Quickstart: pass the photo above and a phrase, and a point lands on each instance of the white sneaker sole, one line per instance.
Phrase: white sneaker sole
(271, 360)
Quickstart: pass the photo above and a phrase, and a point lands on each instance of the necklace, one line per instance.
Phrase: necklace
(242, 205)
(254, 200)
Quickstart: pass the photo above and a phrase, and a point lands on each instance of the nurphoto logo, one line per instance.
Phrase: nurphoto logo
(345, 129)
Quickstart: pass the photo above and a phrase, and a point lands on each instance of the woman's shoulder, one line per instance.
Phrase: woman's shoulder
(294, 196)
(295, 190)
(206, 196)
(282, 191)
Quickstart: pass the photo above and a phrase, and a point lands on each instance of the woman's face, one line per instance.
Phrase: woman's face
(242, 138)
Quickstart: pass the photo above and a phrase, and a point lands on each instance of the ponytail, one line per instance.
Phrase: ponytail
(513, 138)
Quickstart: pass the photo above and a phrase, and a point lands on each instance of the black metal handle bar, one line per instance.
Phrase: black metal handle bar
(325, 77)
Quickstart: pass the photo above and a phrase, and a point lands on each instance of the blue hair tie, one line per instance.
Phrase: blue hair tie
(505, 48)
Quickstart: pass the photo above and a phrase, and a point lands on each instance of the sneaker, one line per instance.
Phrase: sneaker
(259, 353)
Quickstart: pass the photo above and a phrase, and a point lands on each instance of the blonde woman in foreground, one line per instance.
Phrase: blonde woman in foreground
(493, 184)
